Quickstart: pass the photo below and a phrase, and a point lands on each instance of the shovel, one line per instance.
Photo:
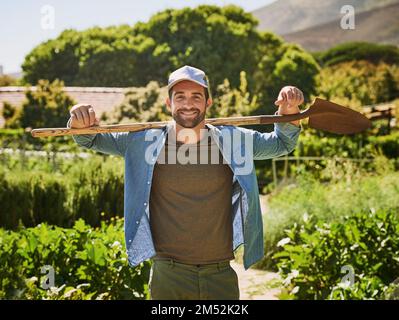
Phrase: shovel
(323, 115)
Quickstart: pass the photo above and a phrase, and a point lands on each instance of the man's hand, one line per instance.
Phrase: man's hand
(288, 101)
(83, 116)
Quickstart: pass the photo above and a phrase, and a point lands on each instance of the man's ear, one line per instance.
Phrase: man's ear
(209, 102)
(168, 103)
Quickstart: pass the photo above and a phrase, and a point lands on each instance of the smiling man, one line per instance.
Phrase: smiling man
(190, 216)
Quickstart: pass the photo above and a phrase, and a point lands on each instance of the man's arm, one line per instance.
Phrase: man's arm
(83, 116)
(285, 135)
(277, 143)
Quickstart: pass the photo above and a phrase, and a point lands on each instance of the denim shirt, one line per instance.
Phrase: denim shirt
(239, 147)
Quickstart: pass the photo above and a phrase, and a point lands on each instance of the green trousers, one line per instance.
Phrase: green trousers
(171, 280)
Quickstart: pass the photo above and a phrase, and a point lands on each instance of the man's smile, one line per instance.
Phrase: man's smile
(188, 113)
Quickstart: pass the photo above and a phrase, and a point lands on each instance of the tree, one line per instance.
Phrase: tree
(358, 83)
(287, 64)
(223, 41)
(232, 102)
(141, 105)
(47, 106)
(351, 51)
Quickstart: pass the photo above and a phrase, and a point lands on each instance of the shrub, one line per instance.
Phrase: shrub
(314, 253)
(329, 202)
(349, 51)
(88, 263)
(358, 83)
(77, 189)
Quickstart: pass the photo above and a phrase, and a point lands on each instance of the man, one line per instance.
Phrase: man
(187, 215)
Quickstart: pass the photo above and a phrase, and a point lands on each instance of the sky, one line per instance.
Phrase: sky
(26, 23)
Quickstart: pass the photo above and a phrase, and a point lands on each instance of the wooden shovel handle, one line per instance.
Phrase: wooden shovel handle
(234, 121)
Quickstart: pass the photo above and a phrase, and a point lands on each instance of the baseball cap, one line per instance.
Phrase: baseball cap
(188, 73)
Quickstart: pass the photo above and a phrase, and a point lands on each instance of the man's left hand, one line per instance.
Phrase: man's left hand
(289, 100)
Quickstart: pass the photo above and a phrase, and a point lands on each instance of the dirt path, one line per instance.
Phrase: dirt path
(257, 284)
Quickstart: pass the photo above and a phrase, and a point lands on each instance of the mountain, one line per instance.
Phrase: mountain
(379, 25)
(288, 16)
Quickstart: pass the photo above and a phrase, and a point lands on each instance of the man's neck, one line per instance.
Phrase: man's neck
(189, 135)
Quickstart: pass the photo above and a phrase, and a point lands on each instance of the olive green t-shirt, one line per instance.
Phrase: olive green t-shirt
(190, 203)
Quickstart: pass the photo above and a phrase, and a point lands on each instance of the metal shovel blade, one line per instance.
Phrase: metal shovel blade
(331, 117)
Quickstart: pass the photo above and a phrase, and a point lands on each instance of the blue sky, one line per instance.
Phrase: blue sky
(21, 21)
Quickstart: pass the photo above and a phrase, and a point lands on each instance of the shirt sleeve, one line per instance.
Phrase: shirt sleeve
(279, 142)
(114, 143)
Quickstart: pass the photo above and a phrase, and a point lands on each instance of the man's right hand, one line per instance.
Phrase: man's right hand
(83, 116)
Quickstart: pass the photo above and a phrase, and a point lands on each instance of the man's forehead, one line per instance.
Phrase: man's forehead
(188, 86)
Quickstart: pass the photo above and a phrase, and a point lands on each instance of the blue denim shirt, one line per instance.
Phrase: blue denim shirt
(140, 151)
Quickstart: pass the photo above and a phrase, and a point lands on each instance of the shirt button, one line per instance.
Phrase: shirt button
(137, 221)
(148, 182)
(145, 203)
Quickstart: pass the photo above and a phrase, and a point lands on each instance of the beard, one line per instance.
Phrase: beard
(188, 121)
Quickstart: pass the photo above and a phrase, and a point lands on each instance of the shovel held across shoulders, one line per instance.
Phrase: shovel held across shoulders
(323, 115)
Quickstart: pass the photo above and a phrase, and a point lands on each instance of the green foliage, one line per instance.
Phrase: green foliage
(96, 57)
(297, 68)
(223, 41)
(352, 51)
(208, 37)
(358, 83)
(46, 107)
(231, 102)
(11, 115)
(88, 263)
(38, 192)
(283, 64)
(6, 80)
(148, 104)
(347, 192)
(359, 146)
(141, 105)
(313, 254)
(18, 138)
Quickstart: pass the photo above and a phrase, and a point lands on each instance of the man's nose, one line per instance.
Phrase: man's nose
(187, 106)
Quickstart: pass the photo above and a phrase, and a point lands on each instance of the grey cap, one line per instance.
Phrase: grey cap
(188, 73)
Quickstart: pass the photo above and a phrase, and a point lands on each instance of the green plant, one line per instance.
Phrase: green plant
(88, 263)
(329, 202)
(314, 254)
(61, 193)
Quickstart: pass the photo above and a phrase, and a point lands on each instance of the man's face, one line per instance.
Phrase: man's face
(188, 104)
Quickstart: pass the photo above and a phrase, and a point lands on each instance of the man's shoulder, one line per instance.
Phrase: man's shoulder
(231, 128)
(149, 133)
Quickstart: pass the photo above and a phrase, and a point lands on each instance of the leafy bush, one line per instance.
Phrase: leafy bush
(350, 51)
(232, 102)
(77, 189)
(88, 263)
(6, 80)
(314, 252)
(360, 146)
(358, 83)
(18, 138)
(46, 106)
(141, 105)
(346, 194)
